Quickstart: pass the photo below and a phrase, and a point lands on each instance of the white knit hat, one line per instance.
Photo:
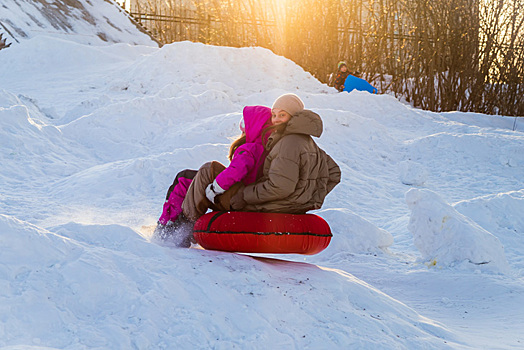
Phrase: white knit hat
(290, 103)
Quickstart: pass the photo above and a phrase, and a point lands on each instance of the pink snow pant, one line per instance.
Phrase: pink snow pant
(175, 196)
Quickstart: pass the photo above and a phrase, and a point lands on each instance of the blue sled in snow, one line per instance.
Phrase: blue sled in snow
(354, 83)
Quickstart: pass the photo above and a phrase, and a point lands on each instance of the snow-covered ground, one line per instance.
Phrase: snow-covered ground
(428, 220)
(96, 22)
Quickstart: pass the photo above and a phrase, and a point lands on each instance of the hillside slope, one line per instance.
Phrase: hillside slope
(95, 22)
(427, 250)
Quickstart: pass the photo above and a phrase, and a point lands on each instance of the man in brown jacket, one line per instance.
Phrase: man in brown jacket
(297, 174)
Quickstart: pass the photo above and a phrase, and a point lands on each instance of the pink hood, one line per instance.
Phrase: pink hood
(256, 118)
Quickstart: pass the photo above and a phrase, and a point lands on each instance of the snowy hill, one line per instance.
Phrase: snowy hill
(428, 232)
(95, 22)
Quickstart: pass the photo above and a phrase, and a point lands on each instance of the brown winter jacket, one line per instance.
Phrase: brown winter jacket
(297, 174)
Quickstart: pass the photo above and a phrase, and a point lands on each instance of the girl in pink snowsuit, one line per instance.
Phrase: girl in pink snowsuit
(212, 186)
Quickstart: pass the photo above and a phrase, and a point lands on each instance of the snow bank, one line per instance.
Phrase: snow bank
(95, 22)
(501, 214)
(166, 71)
(24, 139)
(466, 161)
(40, 55)
(496, 211)
(412, 173)
(447, 238)
(354, 234)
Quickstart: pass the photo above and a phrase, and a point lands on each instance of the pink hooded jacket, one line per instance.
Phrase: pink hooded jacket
(246, 163)
(248, 159)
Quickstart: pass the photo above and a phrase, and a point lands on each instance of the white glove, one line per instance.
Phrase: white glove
(213, 190)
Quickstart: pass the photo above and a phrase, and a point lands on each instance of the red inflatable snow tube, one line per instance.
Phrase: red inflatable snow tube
(253, 232)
